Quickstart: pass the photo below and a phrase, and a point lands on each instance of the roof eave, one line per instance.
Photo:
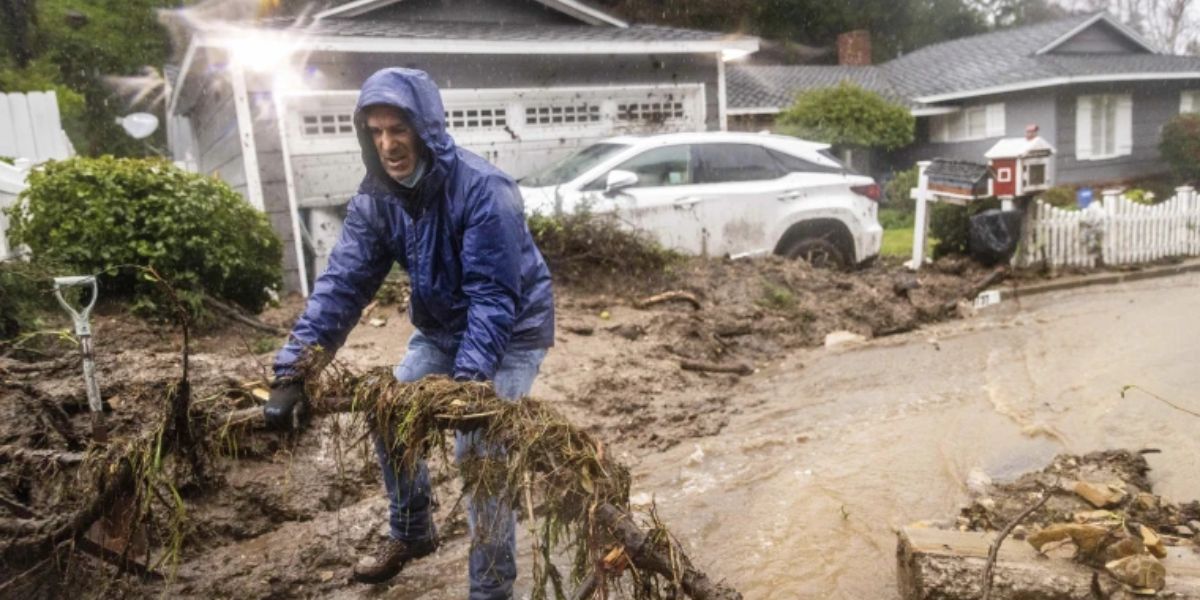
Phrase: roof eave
(758, 110)
(1054, 82)
(1126, 31)
(572, 8)
(388, 45)
(584, 12)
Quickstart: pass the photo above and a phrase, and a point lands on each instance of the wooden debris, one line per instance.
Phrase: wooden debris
(677, 295)
(1139, 571)
(706, 367)
(644, 553)
(1099, 495)
(995, 549)
(235, 314)
(947, 565)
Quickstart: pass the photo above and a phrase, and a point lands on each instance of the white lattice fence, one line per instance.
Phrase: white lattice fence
(1114, 231)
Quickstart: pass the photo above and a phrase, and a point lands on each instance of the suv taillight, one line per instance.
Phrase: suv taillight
(870, 191)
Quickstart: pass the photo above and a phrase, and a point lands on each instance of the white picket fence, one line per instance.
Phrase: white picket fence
(1113, 231)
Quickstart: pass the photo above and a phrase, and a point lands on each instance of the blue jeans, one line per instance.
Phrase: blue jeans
(492, 564)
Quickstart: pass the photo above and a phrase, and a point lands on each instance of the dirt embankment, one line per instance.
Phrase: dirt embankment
(280, 517)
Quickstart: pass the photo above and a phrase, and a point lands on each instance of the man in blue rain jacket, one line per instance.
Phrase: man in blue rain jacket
(481, 302)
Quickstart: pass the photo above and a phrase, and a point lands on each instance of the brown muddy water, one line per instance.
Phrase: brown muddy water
(800, 495)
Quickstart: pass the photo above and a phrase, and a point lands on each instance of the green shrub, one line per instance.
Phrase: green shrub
(1062, 196)
(7, 159)
(898, 193)
(950, 225)
(1180, 146)
(25, 292)
(102, 215)
(848, 115)
(1140, 196)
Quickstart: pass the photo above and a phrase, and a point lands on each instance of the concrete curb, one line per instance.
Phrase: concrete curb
(1011, 292)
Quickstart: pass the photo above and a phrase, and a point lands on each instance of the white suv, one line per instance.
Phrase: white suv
(721, 194)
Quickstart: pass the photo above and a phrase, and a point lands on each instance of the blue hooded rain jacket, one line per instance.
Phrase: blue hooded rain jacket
(479, 285)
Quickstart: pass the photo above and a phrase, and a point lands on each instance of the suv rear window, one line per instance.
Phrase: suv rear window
(795, 164)
(722, 163)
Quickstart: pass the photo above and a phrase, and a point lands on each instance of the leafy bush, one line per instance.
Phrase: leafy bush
(891, 218)
(950, 225)
(596, 252)
(849, 115)
(7, 159)
(1140, 196)
(898, 192)
(25, 291)
(1062, 196)
(1180, 146)
(98, 215)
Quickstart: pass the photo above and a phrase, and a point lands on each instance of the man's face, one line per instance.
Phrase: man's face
(398, 145)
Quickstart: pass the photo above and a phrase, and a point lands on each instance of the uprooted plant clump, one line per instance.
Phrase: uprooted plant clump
(131, 503)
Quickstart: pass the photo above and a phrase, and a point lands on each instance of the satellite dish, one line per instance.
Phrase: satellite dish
(138, 125)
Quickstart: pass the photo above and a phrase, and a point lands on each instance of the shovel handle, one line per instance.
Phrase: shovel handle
(80, 316)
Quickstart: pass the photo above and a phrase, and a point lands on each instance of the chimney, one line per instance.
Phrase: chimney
(854, 48)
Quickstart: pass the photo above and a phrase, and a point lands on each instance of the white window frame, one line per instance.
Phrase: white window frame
(1189, 101)
(968, 124)
(1103, 126)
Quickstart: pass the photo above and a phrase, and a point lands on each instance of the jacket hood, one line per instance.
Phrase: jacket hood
(413, 92)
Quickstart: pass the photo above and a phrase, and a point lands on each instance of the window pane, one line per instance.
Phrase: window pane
(1110, 125)
(736, 162)
(795, 164)
(977, 123)
(665, 166)
(1098, 125)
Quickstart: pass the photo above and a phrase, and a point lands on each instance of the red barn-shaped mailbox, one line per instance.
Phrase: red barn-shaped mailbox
(1021, 166)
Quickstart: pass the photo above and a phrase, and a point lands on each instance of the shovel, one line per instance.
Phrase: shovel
(83, 330)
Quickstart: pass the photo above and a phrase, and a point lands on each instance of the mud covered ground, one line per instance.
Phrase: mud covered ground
(274, 516)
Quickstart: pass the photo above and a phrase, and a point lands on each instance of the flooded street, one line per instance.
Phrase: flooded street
(800, 495)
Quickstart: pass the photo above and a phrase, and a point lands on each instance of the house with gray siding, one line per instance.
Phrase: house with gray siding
(1098, 92)
(267, 106)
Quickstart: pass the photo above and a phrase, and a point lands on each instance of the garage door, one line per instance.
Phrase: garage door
(520, 130)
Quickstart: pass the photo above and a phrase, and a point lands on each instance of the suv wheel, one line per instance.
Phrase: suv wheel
(818, 252)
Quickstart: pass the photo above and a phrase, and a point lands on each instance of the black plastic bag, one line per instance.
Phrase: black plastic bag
(994, 235)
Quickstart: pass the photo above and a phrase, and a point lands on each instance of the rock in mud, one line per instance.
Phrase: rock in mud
(843, 338)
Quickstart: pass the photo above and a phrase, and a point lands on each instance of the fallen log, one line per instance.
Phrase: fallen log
(61, 458)
(677, 295)
(948, 565)
(707, 367)
(234, 314)
(643, 552)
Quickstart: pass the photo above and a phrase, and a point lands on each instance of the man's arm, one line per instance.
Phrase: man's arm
(357, 267)
(491, 262)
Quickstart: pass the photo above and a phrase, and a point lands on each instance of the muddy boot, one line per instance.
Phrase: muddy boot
(390, 557)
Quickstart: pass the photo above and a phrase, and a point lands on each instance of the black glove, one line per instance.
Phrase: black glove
(287, 408)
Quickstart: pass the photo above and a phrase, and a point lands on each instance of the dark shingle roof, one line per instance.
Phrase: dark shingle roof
(777, 86)
(963, 65)
(996, 58)
(496, 32)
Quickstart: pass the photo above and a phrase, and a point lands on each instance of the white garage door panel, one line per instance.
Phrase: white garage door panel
(520, 130)
(328, 179)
